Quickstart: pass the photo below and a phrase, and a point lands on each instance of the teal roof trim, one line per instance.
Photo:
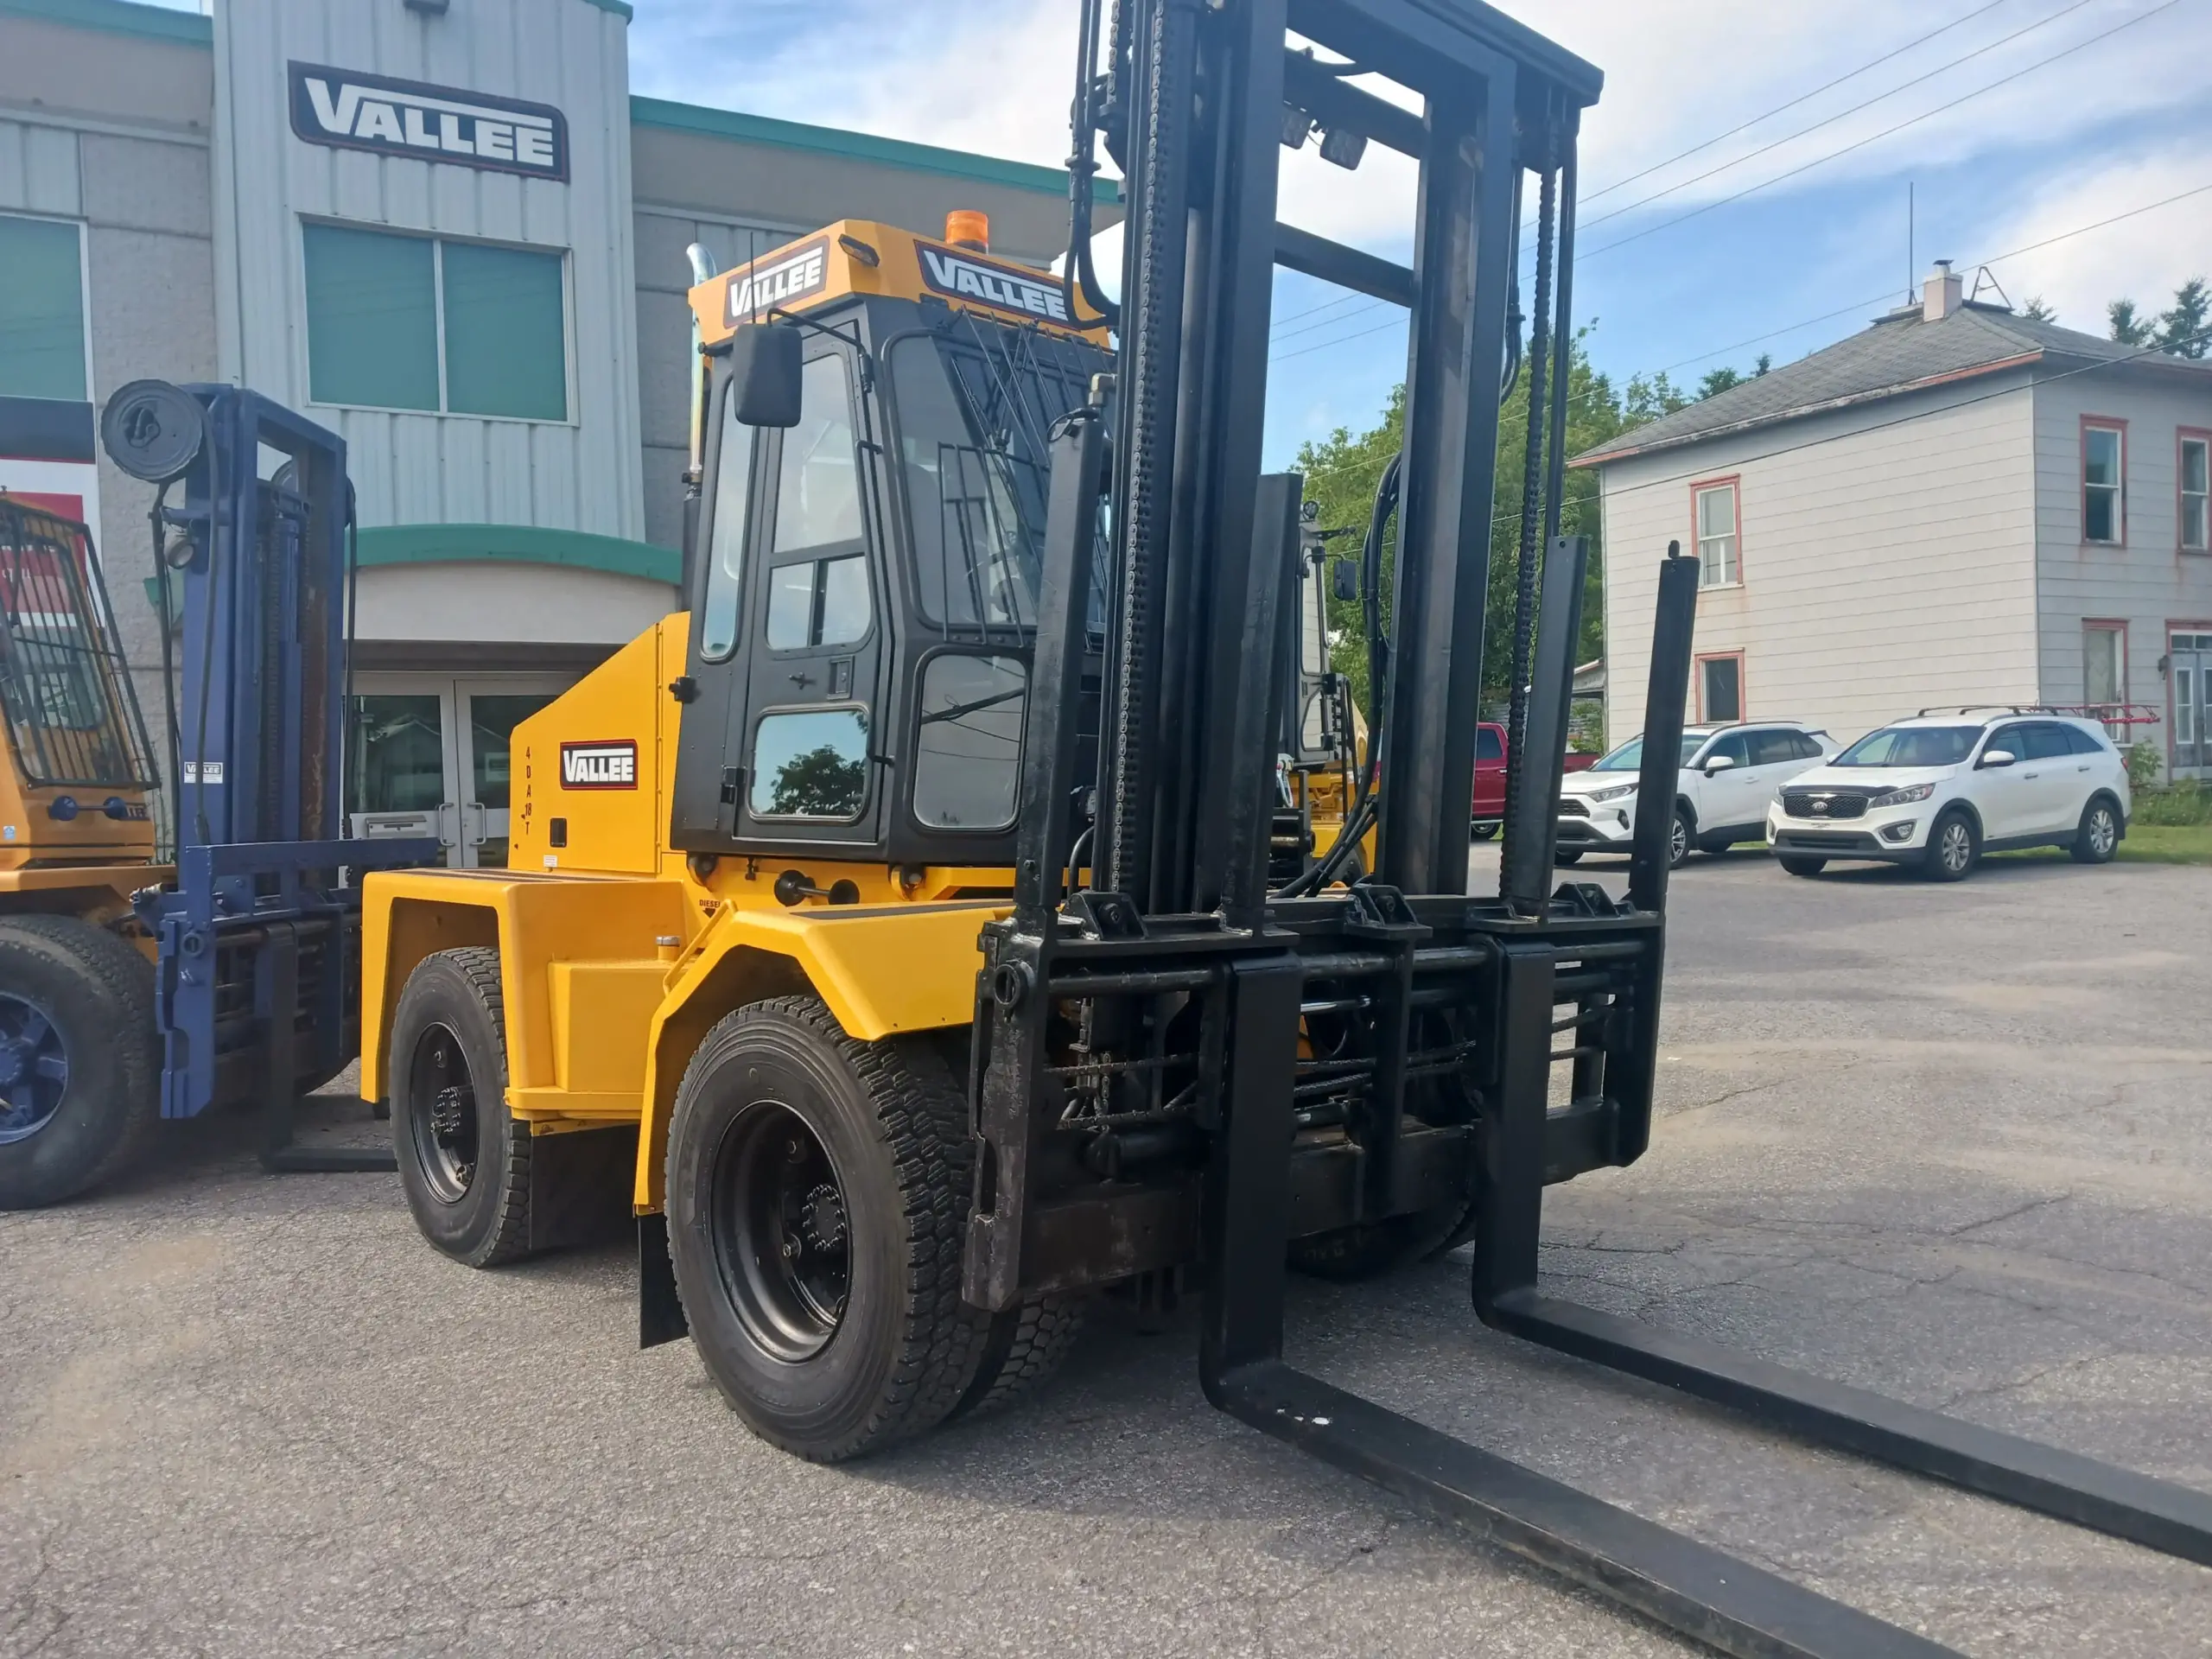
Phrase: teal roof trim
(619, 8)
(521, 544)
(472, 543)
(856, 146)
(118, 18)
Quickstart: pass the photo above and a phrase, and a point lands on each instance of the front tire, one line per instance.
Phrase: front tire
(464, 1160)
(1567, 855)
(817, 1199)
(1954, 849)
(79, 1070)
(1482, 832)
(1802, 866)
(2097, 838)
(1682, 837)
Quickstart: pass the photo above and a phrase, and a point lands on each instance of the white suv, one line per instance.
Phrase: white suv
(1939, 791)
(1728, 779)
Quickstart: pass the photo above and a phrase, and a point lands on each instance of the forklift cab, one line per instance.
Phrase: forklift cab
(862, 576)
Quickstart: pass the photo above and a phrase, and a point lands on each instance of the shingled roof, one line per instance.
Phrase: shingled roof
(1901, 353)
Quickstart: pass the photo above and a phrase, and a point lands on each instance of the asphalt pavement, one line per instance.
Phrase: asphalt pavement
(1946, 1141)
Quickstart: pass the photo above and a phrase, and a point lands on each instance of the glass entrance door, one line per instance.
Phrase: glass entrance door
(490, 710)
(430, 757)
(2188, 667)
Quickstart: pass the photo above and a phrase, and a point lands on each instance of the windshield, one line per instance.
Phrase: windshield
(1911, 746)
(976, 404)
(1630, 756)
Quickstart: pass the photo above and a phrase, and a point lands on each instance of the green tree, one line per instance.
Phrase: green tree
(2036, 311)
(1725, 378)
(2180, 328)
(1342, 471)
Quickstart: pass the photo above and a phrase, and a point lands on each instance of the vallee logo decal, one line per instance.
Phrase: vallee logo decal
(611, 764)
(768, 284)
(352, 110)
(1003, 288)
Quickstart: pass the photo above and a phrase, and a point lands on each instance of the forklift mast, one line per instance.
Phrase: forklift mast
(257, 993)
(1382, 1054)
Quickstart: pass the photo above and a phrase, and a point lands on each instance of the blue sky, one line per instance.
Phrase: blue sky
(2017, 121)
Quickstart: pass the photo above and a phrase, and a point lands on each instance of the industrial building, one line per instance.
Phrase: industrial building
(451, 233)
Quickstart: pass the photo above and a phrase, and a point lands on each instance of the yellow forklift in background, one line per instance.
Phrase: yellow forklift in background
(79, 1060)
(906, 934)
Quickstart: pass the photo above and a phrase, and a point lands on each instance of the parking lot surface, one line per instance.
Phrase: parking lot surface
(1948, 1142)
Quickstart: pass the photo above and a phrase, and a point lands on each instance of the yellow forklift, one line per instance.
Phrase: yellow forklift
(901, 933)
(79, 1061)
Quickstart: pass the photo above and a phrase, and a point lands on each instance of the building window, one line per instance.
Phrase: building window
(2195, 494)
(41, 310)
(1720, 689)
(421, 322)
(1717, 563)
(2104, 664)
(2104, 472)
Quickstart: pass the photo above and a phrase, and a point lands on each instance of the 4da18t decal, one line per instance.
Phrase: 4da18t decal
(612, 765)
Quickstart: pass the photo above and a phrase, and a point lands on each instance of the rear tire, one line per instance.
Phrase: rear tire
(1022, 1350)
(1482, 832)
(1567, 855)
(79, 1065)
(2097, 838)
(464, 1160)
(817, 1203)
(1954, 849)
(1801, 866)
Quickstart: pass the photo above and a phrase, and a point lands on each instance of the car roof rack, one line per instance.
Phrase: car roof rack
(2110, 713)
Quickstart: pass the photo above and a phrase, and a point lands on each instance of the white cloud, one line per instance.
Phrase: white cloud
(2143, 258)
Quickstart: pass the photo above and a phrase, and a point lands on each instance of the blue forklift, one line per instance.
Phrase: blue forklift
(133, 989)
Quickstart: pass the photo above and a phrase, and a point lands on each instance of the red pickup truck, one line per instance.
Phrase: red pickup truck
(1490, 776)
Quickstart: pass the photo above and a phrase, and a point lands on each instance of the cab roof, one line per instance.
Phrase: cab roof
(863, 256)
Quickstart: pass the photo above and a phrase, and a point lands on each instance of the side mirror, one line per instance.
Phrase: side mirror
(1719, 763)
(765, 364)
(1998, 757)
(1344, 578)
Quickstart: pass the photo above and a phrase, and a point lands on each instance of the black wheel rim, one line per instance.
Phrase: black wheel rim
(2103, 833)
(1956, 846)
(781, 1232)
(442, 1114)
(34, 1068)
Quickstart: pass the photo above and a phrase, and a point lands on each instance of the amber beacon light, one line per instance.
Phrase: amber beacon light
(966, 228)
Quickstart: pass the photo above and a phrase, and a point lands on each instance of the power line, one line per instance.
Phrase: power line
(1779, 109)
(1826, 121)
(1652, 229)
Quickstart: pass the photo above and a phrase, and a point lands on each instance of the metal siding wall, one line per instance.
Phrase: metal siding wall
(415, 469)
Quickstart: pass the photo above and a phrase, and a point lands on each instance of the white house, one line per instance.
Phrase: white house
(1955, 506)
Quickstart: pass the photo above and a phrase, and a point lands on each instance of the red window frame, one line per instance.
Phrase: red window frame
(1743, 685)
(1735, 482)
(2103, 423)
(2183, 437)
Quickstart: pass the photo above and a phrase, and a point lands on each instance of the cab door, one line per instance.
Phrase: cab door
(780, 741)
(810, 734)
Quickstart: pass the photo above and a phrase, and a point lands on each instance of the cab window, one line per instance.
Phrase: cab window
(726, 547)
(811, 763)
(818, 487)
(968, 757)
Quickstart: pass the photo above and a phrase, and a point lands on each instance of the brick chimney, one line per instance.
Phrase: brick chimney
(1940, 296)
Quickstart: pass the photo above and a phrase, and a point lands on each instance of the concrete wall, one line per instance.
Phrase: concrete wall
(583, 473)
(2147, 582)
(1886, 565)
